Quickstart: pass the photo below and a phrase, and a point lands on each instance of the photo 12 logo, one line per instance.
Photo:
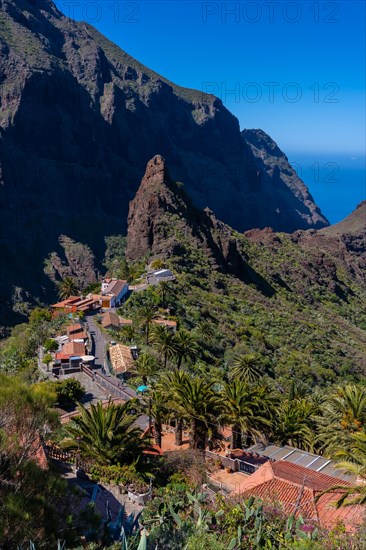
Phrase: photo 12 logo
(270, 12)
(93, 12)
(325, 172)
(310, 172)
(271, 92)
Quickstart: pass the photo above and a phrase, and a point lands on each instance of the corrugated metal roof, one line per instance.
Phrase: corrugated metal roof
(303, 458)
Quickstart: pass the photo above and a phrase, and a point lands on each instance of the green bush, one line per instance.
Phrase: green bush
(69, 391)
(50, 345)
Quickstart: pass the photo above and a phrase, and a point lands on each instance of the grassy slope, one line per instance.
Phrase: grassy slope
(354, 223)
(304, 330)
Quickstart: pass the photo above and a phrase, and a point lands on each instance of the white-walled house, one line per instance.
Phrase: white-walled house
(113, 292)
(155, 277)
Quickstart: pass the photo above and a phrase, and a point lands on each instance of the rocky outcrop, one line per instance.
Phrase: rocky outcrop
(77, 261)
(331, 259)
(351, 231)
(349, 234)
(163, 222)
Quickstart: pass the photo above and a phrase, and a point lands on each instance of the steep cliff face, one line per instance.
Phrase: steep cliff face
(290, 206)
(80, 118)
(74, 260)
(163, 222)
(162, 217)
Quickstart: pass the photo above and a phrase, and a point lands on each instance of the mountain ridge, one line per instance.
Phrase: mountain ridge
(79, 120)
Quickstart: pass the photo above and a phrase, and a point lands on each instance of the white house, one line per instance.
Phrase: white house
(113, 292)
(155, 277)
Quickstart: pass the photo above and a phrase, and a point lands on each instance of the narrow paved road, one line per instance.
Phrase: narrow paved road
(99, 341)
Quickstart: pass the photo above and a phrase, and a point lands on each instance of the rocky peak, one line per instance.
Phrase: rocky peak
(157, 198)
(163, 222)
(156, 171)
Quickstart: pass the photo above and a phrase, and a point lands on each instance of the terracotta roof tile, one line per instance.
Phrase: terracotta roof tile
(67, 302)
(165, 322)
(296, 474)
(78, 336)
(121, 358)
(110, 318)
(329, 515)
(296, 488)
(124, 322)
(73, 349)
(72, 329)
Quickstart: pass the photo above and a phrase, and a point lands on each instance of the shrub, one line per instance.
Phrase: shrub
(69, 391)
(50, 345)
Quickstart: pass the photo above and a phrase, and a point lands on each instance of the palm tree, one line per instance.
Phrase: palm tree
(187, 348)
(156, 406)
(353, 463)
(66, 288)
(247, 368)
(127, 333)
(163, 289)
(295, 424)
(146, 366)
(206, 332)
(195, 400)
(107, 434)
(164, 342)
(146, 314)
(247, 409)
(344, 414)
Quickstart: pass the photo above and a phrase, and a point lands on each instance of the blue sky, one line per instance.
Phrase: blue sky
(294, 69)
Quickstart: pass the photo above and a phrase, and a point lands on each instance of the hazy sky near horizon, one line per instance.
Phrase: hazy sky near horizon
(294, 69)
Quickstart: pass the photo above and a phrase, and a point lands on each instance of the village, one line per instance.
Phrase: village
(87, 350)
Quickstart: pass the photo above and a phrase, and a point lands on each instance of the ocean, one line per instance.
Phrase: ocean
(337, 182)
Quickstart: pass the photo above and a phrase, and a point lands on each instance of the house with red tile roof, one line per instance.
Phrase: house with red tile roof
(110, 319)
(296, 489)
(69, 358)
(74, 349)
(169, 324)
(74, 328)
(76, 332)
(78, 303)
(300, 457)
(67, 305)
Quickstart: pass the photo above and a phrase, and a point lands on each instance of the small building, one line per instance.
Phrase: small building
(297, 490)
(69, 359)
(76, 304)
(67, 305)
(76, 333)
(125, 322)
(156, 277)
(169, 324)
(74, 328)
(113, 292)
(90, 303)
(122, 359)
(74, 348)
(110, 319)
